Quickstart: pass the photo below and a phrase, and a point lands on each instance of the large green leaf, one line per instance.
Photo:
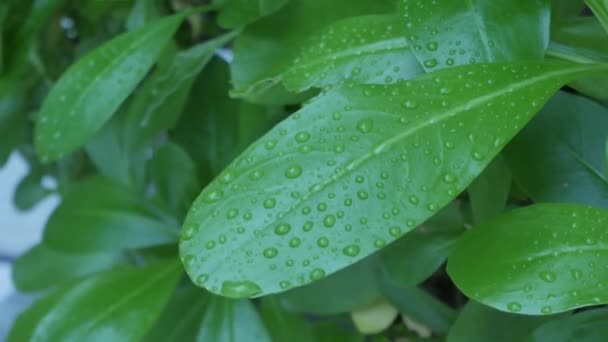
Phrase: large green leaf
(559, 156)
(262, 52)
(41, 268)
(235, 13)
(354, 170)
(93, 88)
(479, 323)
(112, 306)
(444, 33)
(538, 260)
(283, 325)
(364, 49)
(587, 326)
(98, 215)
(228, 320)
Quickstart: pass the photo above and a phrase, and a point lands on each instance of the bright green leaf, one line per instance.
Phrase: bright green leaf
(93, 88)
(444, 33)
(235, 13)
(112, 306)
(377, 52)
(228, 320)
(374, 318)
(479, 323)
(586, 326)
(559, 156)
(489, 192)
(283, 325)
(600, 9)
(41, 268)
(538, 260)
(355, 169)
(98, 215)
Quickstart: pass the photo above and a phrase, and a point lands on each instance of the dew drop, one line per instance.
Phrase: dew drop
(317, 274)
(269, 203)
(514, 307)
(329, 221)
(240, 289)
(270, 252)
(295, 242)
(293, 171)
(548, 276)
(282, 229)
(365, 126)
(351, 250)
(302, 137)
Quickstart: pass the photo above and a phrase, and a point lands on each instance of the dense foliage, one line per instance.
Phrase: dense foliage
(311, 170)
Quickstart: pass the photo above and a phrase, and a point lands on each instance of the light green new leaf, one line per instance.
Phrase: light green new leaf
(542, 259)
(112, 306)
(559, 156)
(235, 13)
(586, 326)
(41, 268)
(445, 33)
(479, 323)
(354, 170)
(93, 88)
(489, 192)
(99, 215)
(283, 325)
(228, 320)
(600, 9)
(365, 49)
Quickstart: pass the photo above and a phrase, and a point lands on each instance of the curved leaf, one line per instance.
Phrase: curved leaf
(93, 88)
(112, 306)
(587, 326)
(235, 13)
(228, 320)
(538, 260)
(283, 325)
(559, 156)
(444, 33)
(354, 170)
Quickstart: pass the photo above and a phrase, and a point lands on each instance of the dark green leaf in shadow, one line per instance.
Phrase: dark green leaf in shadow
(586, 326)
(235, 13)
(283, 325)
(600, 9)
(490, 191)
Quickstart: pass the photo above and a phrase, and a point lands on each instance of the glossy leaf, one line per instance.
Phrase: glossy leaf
(538, 260)
(417, 255)
(260, 52)
(93, 88)
(235, 13)
(112, 306)
(479, 323)
(228, 320)
(99, 215)
(346, 290)
(374, 51)
(586, 326)
(353, 170)
(181, 318)
(490, 191)
(559, 156)
(600, 9)
(283, 325)
(444, 33)
(41, 268)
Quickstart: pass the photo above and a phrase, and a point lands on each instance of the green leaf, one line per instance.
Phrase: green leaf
(99, 215)
(181, 319)
(143, 12)
(113, 306)
(228, 320)
(490, 191)
(444, 33)
(417, 255)
(41, 268)
(479, 323)
(538, 260)
(235, 13)
(4, 7)
(93, 88)
(173, 174)
(374, 318)
(586, 326)
(600, 9)
(564, 10)
(364, 49)
(344, 291)
(30, 191)
(355, 169)
(262, 52)
(333, 331)
(559, 156)
(283, 325)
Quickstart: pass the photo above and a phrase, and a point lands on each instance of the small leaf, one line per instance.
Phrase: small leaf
(228, 320)
(98, 215)
(538, 260)
(235, 13)
(93, 88)
(559, 156)
(479, 323)
(374, 318)
(30, 191)
(113, 306)
(355, 169)
(490, 191)
(444, 33)
(41, 268)
(283, 325)
(586, 326)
